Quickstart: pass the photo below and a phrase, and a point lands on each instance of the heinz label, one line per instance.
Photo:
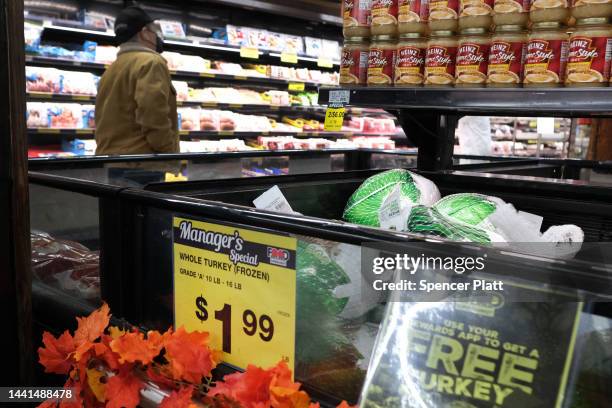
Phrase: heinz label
(381, 63)
(472, 62)
(589, 60)
(545, 61)
(440, 65)
(413, 11)
(506, 62)
(354, 67)
(409, 65)
(357, 13)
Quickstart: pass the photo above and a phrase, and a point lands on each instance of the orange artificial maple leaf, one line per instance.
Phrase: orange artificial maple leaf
(345, 404)
(314, 405)
(90, 328)
(77, 400)
(56, 355)
(288, 398)
(179, 399)
(189, 356)
(123, 389)
(251, 389)
(133, 348)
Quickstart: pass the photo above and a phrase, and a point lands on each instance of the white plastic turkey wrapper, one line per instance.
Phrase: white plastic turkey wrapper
(394, 211)
(273, 200)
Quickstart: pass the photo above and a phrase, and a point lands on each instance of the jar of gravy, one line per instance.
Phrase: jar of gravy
(354, 61)
(546, 55)
(472, 58)
(506, 56)
(384, 17)
(412, 17)
(440, 59)
(443, 15)
(591, 8)
(549, 10)
(410, 60)
(511, 12)
(381, 60)
(475, 14)
(357, 15)
(590, 51)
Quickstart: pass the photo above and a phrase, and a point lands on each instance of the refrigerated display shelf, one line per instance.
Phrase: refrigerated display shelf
(214, 46)
(65, 63)
(208, 134)
(45, 96)
(566, 102)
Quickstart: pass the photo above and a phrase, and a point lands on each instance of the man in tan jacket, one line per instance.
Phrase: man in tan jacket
(136, 102)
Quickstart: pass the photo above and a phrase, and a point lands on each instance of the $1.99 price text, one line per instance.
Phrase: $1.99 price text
(252, 325)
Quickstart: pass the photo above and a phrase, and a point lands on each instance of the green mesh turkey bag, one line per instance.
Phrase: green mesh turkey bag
(319, 334)
(429, 221)
(364, 205)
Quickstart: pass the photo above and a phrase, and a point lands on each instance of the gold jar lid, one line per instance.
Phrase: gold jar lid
(592, 21)
(509, 28)
(442, 33)
(356, 40)
(383, 38)
(547, 24)
(474, 31)
(410, 35)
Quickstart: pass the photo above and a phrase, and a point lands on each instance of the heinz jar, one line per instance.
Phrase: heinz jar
(381, 60)
(546, 55)
(506, 56)
(410, 60)
(440, 59)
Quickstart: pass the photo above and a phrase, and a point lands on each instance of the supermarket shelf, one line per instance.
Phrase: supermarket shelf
(99, 68)
(207, 134)
(181, 43)
(45, 96)
(565, 102)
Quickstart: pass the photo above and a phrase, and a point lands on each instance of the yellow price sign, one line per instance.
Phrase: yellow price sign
(334, 118)
(289, 58)
(239, 285)
(297, 86)
(249, 52)
(325, 62)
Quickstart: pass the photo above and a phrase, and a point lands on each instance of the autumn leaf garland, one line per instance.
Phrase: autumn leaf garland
(107, 367)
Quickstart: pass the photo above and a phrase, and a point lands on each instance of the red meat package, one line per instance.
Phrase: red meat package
(66, 265)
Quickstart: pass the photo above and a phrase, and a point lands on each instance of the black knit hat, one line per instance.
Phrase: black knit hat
(129, 22)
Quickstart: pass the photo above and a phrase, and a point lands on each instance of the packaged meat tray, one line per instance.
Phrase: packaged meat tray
(66, 265)
(40, 79)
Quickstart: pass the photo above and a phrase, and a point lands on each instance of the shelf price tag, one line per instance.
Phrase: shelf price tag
(289, 58)
(325, 62)
(297, 86)
(249, 52)
(336, 108)
(239, 285)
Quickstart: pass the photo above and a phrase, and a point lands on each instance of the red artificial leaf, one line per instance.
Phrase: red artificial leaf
(55, 356)
(250, 389)
(91, 327)
(314, 405)
(257, 388)
(134, 348)
(189, 356)
(345, 404)
(48, 404)
(123, 390)
(178, 399)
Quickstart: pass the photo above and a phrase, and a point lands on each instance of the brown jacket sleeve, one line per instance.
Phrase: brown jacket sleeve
(153, 88)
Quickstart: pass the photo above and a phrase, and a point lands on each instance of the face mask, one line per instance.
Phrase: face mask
(159, 44)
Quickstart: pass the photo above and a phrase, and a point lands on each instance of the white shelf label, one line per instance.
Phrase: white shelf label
(339, 97)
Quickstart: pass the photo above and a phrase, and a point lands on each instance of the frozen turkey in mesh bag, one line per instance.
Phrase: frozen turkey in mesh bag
(520, 229)
(410, 189)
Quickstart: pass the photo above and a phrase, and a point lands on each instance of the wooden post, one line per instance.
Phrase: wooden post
(15, 270)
